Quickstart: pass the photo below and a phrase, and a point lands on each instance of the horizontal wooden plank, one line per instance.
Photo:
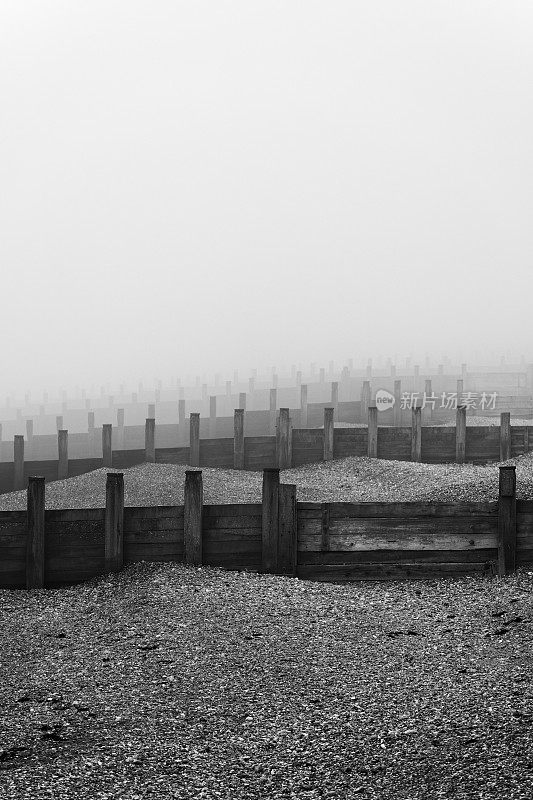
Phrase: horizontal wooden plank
(391, 540)
(481, 556)
(152, 512)
(232, 510)
(154, 524)
(74, 515)
(149, 536)
(410, 509)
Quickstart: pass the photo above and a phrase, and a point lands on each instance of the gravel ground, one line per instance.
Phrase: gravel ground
(344, 480)
(173, 682)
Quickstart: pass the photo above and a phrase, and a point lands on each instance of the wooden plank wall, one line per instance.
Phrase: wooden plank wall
(336, 541)
(232, 536)
(153, 534)
(358, 541)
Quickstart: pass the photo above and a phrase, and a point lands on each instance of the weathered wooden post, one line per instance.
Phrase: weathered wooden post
(287, 530)
(238, 438)
(303, 406)
(242, 400)
(366, 394)
(507, 521)
(213, 416)
(270, 521)
(35, 540)
(194, 440)
(329, 428)
(397, 412)
(272, 408)
(18, 459)
(505, 435)
(460, 434)
(149, 441)
(107, 445)
(62, 453)
(192, 517)
(335, 398)
(59, 423)
(284, 440)
(373, 432)
(120, 426)
(416, 435)
(114, 522)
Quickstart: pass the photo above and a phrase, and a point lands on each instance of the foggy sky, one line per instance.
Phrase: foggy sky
(197, 186)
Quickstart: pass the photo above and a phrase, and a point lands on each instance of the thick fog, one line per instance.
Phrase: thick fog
(191, 187)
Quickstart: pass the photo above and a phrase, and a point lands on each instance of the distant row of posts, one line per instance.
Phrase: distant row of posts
(284, 435)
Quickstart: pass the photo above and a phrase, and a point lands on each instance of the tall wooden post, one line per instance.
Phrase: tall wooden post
(335, 398)
(373, 432)
(460, 434)
(194, 440)
(149, 441)
(284, 440)
(213, 416)
(120, 426)
(270, 521)
(303, 406)
(107, 445)
(272, 408)
(507, 521)
(181, 413)
(329, 428)
(366, 394)
(397, 412)
(238, 438)
(62, 452)
(35, 540)
(416, 435)
(242, 400)
(114, 522)
(18, 459)
(192, 517)
(505, 435)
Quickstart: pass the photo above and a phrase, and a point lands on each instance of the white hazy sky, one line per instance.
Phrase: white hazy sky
(196, 186)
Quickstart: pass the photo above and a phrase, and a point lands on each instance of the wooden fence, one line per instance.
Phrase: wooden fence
(319, 541)
(287, 448)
